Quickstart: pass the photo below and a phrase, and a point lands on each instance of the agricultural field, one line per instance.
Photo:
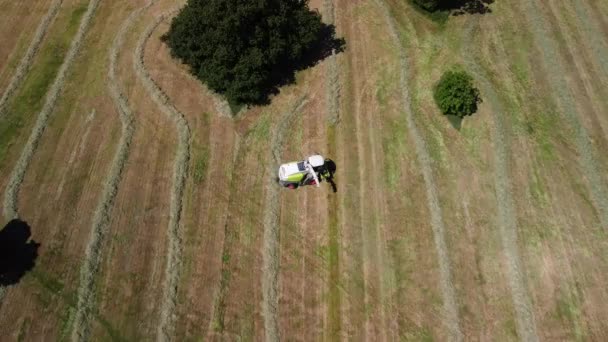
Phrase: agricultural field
(158, 216)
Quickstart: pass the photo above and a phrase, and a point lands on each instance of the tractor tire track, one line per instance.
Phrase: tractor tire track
(180, 171)
(21, 166)
(565, 99)
(332, 88)
(27, 60)
(270, 251)
(217, 318)
(101, 218)
(450, 307)
(507, 216)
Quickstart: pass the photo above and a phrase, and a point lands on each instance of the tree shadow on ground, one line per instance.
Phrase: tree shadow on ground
(455, 121)
(461, 7)
(285, 73)
(17, 252)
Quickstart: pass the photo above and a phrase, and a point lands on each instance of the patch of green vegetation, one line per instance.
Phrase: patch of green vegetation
(334, 278)
(541, 127)
(51, 284)
(30, 98)
(23, 328)
(247, 326)
(511, 328)
(120, 239)
(385, 85)
(537, 188)
(418, 334)
(569, 311)
(393, 147)
(76, 15)
(536, 235)
(201, 161)
(436, 146)
(261, 131)
(66, 324)
(401, 255)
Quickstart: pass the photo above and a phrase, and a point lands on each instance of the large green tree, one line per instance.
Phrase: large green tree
(470, 6)
(455, 94)
(247, 49)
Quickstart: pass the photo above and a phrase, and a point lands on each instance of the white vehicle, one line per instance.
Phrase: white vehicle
(305, 172)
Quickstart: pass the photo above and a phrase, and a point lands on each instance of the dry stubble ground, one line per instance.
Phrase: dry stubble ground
(363, 263)
(16, 38)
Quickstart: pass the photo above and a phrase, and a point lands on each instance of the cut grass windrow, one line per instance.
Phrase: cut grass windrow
(180, 171)
(592, 31)
(450, 307)
(332, 86)
(18, 173)
(101, 218)
(555, 66)
(28, 58)
(507, 217)
(270, 252)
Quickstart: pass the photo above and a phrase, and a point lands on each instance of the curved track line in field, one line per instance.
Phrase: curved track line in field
(507, 216)
(16, 178)
(180, 171)
(270, 251)
(450, 307)
(28, 58)
(554, 66)
(101, 218)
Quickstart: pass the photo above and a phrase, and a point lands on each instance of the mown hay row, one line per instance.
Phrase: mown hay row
(332, 86)
(450, 307)
(554, 66)
(18, 173)
(180, 170)
(270, 251)
(507, 216)
(332, 90)
(28, 58)
(593, 32)
(101, 219)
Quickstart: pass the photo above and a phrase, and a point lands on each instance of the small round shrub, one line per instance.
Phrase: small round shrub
(456, 95)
